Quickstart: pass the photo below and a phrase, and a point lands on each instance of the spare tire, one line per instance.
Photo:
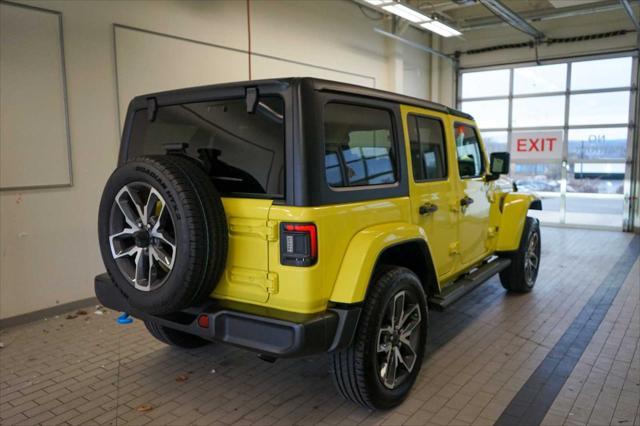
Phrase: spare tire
(163, 233)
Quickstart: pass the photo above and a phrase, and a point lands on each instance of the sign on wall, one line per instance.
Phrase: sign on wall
(34, 137)
(537, 145)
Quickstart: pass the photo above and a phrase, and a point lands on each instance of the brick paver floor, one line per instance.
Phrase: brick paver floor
(83, 369)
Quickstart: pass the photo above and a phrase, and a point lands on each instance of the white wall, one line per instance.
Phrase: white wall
(48, 240)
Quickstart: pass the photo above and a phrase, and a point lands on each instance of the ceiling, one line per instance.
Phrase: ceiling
(467, 15)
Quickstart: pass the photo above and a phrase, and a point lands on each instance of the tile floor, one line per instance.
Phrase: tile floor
(486, 364)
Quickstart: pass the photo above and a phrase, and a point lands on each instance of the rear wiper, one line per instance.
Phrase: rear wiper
(272, 115)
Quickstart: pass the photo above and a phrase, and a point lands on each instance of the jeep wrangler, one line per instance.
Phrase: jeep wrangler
(299, 216)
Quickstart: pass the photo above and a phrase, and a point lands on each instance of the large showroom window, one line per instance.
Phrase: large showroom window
(568, 126)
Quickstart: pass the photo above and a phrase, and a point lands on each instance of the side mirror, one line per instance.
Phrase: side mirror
(498, 165)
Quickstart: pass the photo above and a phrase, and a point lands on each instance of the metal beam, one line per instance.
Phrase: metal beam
(414, 44)
(512, 18)
(627, 8)
(543, 15)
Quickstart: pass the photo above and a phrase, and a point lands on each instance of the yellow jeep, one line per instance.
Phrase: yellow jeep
(299, 216)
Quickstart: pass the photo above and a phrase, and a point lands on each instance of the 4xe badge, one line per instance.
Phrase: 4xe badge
(537, 145)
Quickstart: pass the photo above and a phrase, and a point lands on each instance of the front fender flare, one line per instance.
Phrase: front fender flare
(362, 254)
(513, 214)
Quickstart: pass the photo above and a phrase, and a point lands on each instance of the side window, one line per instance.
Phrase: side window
(428, 149)
(359, 147)
(470, 159)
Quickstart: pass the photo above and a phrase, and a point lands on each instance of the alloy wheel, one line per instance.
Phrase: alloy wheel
(398, 339)
(142, 236)
(531, 260)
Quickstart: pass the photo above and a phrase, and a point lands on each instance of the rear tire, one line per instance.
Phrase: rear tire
(173, 337)
(163, 233)
(520, 276)
(368, 372)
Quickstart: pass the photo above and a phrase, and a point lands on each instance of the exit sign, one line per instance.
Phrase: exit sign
(537, 145)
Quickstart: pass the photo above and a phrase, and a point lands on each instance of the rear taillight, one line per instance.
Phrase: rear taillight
(298, 244)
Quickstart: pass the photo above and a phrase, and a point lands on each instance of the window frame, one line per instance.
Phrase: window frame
(483, 167)
(310, 188)
(514, 91)
(571, 61)
(226, 194)
(444, 146)
(222, 93)
(342, 164)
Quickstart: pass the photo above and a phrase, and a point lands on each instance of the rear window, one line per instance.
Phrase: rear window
(243, 153)
(359, 148)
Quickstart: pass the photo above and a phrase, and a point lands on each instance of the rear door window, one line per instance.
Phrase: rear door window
(428, 149)
(359, 146)
(242, 152)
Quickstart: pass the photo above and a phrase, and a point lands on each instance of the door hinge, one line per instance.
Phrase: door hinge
(271, 233)
(454, 248)
(267, 280)
(252, 227)
(271, 283)
(492, 232)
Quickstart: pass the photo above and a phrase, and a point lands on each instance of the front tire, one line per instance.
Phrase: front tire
(381, 365)
(521, 275)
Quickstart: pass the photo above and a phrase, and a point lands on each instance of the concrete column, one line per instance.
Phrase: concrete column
(396, 66)
(434, 72)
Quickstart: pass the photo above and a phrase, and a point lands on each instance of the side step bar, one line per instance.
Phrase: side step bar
(468, 282)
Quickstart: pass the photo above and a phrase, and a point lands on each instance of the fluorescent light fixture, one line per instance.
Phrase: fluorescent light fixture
(441, 29)
(378, 2)
(415, 17)
(406, 13)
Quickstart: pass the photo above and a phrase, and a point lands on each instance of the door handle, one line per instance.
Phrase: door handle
(466, 201)
(427, 208)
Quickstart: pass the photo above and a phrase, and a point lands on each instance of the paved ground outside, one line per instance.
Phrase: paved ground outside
(603, 213)
(487, 361)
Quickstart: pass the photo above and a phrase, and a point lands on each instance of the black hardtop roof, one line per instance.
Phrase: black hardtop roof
(323, 86)
(339, 87)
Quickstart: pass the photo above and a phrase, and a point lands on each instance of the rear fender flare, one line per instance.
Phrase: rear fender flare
(362, 255)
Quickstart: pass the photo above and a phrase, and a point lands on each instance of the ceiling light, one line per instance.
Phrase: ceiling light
(441, 29)
(378, 2)
(406, 13)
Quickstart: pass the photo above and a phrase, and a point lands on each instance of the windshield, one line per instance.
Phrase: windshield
(242, 152)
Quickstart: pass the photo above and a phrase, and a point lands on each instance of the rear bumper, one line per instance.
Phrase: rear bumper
(277, 333)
